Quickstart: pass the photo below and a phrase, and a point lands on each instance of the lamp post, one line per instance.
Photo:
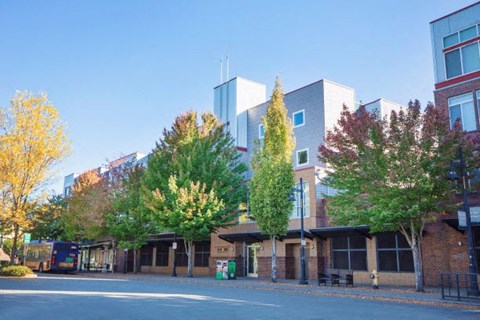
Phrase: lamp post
(302, 233)
(174, 247)
(472, 259)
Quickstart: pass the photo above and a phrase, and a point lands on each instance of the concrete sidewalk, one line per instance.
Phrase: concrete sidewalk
(431, 296)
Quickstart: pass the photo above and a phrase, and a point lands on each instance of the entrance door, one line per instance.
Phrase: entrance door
(252, 260)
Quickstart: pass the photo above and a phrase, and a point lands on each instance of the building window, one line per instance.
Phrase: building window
(476, 241)
(468, 33)
(471, 58)
(302, 157)
(146, 255)
(261, 131)
(296, 212)
(462, 60)
(181, 255)
(478, 101)
(462, 108)
(394, 253)
(298, 118)
(202, 254)
(463, 35)
(162, 255)
(349, 253)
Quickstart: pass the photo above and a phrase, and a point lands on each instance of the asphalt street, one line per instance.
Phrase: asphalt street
(71, 297)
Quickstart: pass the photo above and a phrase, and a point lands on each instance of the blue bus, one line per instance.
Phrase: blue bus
(48, 255)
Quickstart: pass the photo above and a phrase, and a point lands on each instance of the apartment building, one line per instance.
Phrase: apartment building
(456, 58)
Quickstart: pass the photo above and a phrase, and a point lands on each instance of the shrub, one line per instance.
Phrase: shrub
(15, 271)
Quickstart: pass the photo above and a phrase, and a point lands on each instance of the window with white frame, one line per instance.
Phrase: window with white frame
(462, 108)
(302, 157)
(298, 118)
(261, 131)
(461, 36)
(296, 212)
(463, 60)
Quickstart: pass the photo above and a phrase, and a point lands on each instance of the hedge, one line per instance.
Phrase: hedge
(15, 271)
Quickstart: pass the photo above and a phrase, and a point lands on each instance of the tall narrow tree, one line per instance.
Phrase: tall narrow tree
(391, 172)
(193, 182)
(129, 222)
(273, 176)
(32, 141)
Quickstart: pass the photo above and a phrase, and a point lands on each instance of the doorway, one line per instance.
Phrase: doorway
(252, 260)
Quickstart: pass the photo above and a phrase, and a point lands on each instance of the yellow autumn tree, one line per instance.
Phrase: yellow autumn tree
(32, 141)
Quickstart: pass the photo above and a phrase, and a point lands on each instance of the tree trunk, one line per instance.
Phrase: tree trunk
(274, 259)
(134, 260)
(188, 249)
(417, 263)
(13, 253)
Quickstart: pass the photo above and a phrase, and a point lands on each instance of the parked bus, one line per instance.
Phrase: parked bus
(50, 255)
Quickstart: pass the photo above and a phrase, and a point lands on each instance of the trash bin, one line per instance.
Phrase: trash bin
(232, 269)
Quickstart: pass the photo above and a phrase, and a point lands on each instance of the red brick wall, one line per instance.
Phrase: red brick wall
(442, 95)
(441, 252)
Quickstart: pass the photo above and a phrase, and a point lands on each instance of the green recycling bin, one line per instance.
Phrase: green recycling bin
(232, 269)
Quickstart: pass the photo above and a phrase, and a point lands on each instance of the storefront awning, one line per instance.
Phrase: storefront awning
(168, 237)
(344, 231)
(453, 223)
(259, 237)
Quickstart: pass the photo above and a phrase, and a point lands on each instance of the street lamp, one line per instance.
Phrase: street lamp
(174, 247)
(302, 235)
(472, 259)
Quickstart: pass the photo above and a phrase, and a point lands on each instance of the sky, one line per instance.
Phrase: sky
(120, 71)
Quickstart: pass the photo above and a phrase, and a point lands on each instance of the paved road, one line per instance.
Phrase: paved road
(71, 297)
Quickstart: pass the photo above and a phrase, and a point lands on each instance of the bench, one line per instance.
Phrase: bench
(336, 277)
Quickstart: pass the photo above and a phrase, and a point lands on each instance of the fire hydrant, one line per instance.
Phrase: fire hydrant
(374, 277)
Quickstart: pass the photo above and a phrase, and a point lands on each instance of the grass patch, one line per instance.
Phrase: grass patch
(15, 271)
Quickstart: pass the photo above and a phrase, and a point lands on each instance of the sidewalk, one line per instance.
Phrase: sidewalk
(431, 296)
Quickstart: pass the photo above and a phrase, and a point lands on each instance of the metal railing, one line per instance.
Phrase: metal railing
(458, 286)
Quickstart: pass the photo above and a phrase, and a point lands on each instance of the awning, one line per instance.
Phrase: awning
(344, 231)
(96, 244)
(453, 223)
(259, 237)
(168, 237)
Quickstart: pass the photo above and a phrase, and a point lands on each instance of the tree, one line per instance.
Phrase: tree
(391, 172)
(85, 218)
(129, 222)
(47, 219)
(32, 141)
(194, 180)
(273, 177)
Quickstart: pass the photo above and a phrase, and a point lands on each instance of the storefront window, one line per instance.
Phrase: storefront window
(181, 255)
(349, 253)
(162, 255)
(202, 254)
(146, 256)
(394, 253)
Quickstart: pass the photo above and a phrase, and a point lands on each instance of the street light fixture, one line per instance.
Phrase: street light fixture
(302, 234)
(464, 176)
(174, 247)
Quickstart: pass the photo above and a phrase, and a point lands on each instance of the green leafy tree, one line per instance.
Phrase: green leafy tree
(130, 222)
(194, 180)
(273, 177)
(391, 172)
(47, 219)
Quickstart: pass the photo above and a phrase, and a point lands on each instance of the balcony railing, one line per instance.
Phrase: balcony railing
(474, 217)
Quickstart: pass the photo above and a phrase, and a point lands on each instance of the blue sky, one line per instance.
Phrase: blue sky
(120, 71)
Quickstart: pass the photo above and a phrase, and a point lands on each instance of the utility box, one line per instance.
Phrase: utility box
(232, 269)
